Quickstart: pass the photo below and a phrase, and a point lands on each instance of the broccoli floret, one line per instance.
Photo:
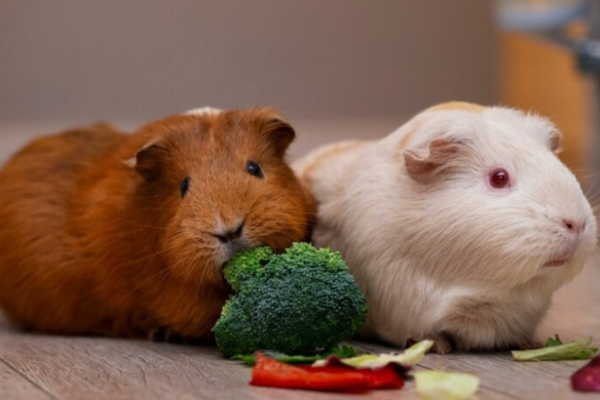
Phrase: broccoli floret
(298, 302)
(246, 264)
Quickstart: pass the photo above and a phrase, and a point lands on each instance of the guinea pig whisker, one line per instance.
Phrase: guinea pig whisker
(147, 280)
(131, 196)
(593, 197)
(163, 273)
(588, 173)
(587, 192)
(143, 226)
(143, 258)
(190, 268)
(185, 279)
(200, 281)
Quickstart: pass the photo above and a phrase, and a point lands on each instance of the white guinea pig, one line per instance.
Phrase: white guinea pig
(458, 226)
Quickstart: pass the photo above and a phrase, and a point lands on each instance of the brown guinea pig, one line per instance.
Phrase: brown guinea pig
(126, 235)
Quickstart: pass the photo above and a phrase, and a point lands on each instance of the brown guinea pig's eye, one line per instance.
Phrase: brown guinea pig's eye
(254, 169)
(499, 178)
(185, 185)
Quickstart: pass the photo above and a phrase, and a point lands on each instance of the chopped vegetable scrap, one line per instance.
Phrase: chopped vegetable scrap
(585, 354)
(273, 373)
(356, 374)
(555, 341)
(344, 351)
(555, 351)
(587, 379)
(432, 385)
(407, 359)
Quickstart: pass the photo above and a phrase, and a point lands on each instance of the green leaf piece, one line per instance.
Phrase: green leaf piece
(343, 351)
(408, 358)
(551, 342)
(576, 350)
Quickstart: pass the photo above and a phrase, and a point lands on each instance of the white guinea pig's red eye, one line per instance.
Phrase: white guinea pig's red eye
(499, 178)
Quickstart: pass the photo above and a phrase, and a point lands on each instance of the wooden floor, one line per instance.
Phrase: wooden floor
(47, 367)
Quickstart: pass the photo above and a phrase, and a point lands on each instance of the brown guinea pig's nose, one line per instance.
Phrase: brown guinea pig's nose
(230, 235)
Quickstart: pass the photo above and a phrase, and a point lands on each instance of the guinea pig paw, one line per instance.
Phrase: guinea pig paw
(157, 335)
(165, 336)
(441, 344)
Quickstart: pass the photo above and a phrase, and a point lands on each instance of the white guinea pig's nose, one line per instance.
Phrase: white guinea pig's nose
(573, 226)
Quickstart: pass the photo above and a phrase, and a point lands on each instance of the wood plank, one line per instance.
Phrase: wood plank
(240, 376)
(501, 377)
(15, 386)
(76, 368)
(485, 391)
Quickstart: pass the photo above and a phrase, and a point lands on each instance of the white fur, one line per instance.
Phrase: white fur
(453, 257)
(204, 111)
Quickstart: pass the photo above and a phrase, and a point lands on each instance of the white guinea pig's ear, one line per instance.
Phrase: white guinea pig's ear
(149, 160)
(555, 141)
(423, 164)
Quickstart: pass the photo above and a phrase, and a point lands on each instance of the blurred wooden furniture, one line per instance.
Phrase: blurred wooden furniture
(542, 77)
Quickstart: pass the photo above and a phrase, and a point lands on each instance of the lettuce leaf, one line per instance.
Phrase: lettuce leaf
(406, 359)
(585, 354)
(555, 350)
(432, 385)
(551, 342)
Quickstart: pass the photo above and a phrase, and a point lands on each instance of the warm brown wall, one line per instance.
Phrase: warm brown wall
(81, 60)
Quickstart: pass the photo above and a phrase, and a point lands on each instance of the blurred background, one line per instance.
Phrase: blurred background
(335, 69)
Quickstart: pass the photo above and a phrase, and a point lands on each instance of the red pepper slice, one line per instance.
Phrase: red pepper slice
(273, 373)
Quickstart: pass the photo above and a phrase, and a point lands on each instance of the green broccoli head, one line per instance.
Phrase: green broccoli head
(298, 302)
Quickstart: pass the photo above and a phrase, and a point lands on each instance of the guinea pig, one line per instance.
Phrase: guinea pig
(126, 234)
(458, 226)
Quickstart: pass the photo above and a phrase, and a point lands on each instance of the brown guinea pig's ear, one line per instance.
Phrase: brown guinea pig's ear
(424, 164)
(149, 160)
(279, 133)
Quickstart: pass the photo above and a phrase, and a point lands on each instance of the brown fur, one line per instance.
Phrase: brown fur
(96, 239)
(332, 151)
(458, 105)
